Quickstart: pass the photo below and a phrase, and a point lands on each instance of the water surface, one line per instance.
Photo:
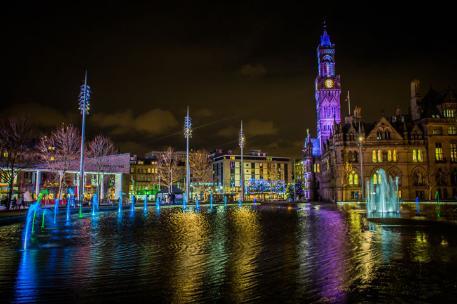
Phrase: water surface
(251, 254)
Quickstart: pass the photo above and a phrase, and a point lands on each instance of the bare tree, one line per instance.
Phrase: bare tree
(99, 148)
(201, 171)
(15, 143)
(168, 169)
(59, 150)
(200, 166)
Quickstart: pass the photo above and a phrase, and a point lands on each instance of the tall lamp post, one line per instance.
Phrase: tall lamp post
(84, 105)
(242, 142)
(361, 165)
(187, 135)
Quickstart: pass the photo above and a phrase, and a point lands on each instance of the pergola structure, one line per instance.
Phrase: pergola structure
(117, 165)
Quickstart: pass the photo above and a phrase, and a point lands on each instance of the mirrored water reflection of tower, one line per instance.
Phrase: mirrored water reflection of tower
(328, 90)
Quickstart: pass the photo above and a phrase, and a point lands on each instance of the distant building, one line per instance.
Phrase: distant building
(266, 177)
(108, 173)
(144, 178)
(420, 148)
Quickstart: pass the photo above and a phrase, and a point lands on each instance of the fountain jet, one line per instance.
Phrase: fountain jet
(382, 200)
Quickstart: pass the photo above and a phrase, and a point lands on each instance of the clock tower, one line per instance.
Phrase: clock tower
(328, 90)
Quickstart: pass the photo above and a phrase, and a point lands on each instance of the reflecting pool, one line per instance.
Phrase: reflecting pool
(229, 254)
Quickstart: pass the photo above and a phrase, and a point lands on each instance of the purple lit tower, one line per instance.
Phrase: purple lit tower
(328, 90)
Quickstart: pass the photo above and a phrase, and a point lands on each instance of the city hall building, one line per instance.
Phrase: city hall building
(418, 148)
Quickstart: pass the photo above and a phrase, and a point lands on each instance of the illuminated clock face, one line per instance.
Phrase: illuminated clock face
(329, 83)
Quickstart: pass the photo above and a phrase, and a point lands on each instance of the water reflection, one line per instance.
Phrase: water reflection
(245, 248)
(26, 289)
(190, 237)
(249, 254)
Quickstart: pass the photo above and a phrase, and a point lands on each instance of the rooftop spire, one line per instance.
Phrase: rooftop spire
(325, 38)
(349, 103)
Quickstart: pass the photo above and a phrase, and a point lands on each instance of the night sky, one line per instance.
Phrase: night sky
(252, 61)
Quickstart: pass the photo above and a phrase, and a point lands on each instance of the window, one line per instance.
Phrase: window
(374, 158)
(417, 155)
(376, 179)
(394, 156)
(437, 131)
(380, 134)
(438, 152)
(353, 178)
(453, 148)
(389, 155)
(449, 113)
(379, 156)
(418, 178)
(452, 130)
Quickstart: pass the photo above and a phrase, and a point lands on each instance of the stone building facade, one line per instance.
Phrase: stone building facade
(419, 148)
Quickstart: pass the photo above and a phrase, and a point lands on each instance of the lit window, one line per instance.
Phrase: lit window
(395, 156)
(452, 130)
(453, 148)
(449, 113)
(414, 155)
(353, 178)
(374, 159)
(438, 152)
(379, 156)
(419, 156)
(389, 155)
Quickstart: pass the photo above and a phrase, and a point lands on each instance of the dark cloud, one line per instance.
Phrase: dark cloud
(251, 128)
(253, 71)
(151, 122)
(252, 61)
(41, 116)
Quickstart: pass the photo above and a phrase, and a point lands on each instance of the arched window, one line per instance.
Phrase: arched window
(353, 178)
(374, 158)
(418, 178)
(454, 177)
(376, 179)
(440, 178)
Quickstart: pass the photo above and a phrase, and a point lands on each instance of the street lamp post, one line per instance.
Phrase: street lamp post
(361, 165)
(84, 105)
(242, 142)
(187, 135)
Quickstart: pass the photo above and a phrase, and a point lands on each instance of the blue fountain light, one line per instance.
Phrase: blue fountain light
(30, 222)
(145, 204)
(184, 202)
(56, 210)
(225, 200)
(119, 209)
(132, 205)
(94, 204)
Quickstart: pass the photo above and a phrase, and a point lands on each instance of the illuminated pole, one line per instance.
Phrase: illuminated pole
(84, 104)
(187, 135)
(242, 142)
